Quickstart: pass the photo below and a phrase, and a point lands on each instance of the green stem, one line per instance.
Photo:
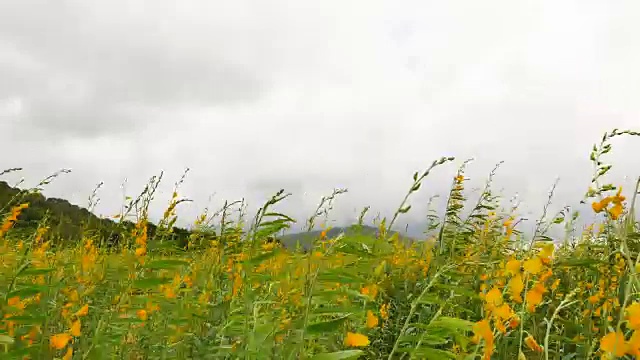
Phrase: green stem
(414, 306)
(564, 304)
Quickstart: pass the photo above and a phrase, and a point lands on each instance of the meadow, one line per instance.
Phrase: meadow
(475, 288)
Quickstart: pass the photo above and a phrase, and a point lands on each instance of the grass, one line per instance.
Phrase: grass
(476, 288)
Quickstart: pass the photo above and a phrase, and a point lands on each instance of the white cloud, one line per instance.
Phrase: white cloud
(314, 95)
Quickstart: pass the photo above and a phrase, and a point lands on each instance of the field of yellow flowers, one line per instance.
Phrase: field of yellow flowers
(476, 289)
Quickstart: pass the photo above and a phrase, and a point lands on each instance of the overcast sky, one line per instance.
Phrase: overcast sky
(311, 95)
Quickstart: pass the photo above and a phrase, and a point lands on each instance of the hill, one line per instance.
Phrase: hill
(306, 239)
(68, 223)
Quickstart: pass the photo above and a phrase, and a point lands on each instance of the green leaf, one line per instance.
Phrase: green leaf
(432, 354)
(341, 276)
(262, 257)
(33, 271)
(327, 326)
(127, 320)
(7, 340)
(581, 262)
(166, 264)
(149, 282)
(405, 209)
(431, 299)
(27, 292)
(338, 355)
(452, 324)
(27, 319)
(279, 215)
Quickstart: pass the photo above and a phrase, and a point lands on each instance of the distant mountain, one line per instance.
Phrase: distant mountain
(306, 239)
(67, 222)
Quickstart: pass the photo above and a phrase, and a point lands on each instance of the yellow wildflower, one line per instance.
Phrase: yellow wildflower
(516, 286)
(599, 206)
(533, 265)
(356, 340)
(370, 290)
(613, 343)
(532, 344)
(75, 328)
(59, 341)
(513, 266)
(482, 330)
(633, 316)
(546, 252)
(83, 311)
(494, 298)
(141, 251)
(384, 311)
(534, 296)
(615, 211)
(633, 345)
(372, 320)
(69, 354)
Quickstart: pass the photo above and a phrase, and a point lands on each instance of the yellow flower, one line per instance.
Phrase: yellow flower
(83, 311)
(507, 223)
(151, 307)
(546, 275)
(75, 328)
(599, 206)
(59, 341)
(633, 345)
(534, 296)
(516, 285)
(11, 219)
(371, 290)
(372, 320)
(69, 354)
(356, 340)
(384, 311)
(504, 312)
(546, 251)
(615, 211)
(532, 344)
(533, 265)
(633, 316)
(141, 251)
(482, 330)
(494, 297)
(16, 303)
(614, 343)
(142, 314)
(513, 266)
(514, 322)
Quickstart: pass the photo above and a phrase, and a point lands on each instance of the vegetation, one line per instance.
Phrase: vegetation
(476, 287)
(67, 223)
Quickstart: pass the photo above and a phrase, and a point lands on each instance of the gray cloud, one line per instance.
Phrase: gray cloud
(91, 73)
(255, 96)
